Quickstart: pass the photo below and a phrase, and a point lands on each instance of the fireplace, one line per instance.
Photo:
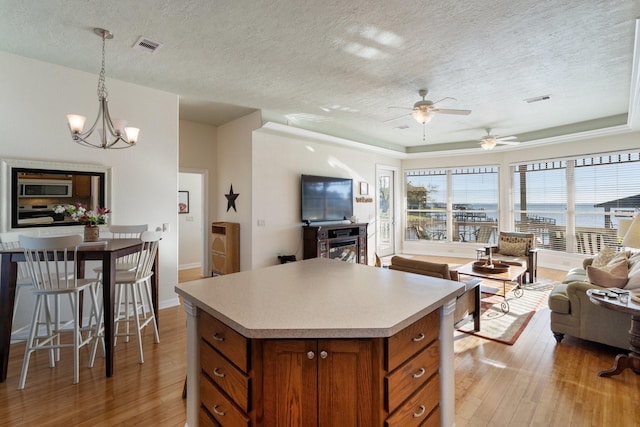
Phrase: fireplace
(344, 251)
(346, 242)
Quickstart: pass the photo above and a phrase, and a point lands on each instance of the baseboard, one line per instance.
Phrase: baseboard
(189, 266)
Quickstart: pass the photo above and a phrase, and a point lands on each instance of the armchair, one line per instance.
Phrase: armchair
(517, 248)
(467, 304)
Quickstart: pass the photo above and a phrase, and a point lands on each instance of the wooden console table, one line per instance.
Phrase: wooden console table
(320, 342)
(632, 359)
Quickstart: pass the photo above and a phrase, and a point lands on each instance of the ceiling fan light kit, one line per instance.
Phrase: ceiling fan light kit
(422, 116)
(489, 142)
(424, 110)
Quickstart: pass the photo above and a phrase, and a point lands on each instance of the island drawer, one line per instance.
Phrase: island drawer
(224, 339)
(206, 420)
(412, 339)
(222, 372)
(421, 409)
(404, 381)
(219, 406)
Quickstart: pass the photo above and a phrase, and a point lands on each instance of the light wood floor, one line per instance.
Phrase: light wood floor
(532, 383)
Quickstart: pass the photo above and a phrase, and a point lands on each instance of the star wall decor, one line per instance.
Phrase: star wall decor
(231, 199)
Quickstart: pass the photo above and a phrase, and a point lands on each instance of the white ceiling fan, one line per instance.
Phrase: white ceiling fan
(488, 142)
(422, 111)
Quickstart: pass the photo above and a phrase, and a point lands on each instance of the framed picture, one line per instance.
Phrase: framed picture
(364, 188)
(183, 202)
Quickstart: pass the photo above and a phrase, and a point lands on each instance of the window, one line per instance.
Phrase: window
(470, 217)
(575, 205)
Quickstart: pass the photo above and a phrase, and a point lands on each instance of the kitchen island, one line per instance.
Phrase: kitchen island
(320, 342)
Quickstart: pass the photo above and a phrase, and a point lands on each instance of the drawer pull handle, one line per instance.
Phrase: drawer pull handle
(310, 355)
(323, 354)
(418, 375)
(415, 414)
(218, 374)
(215, 409)
(418, 338)
(218, 337)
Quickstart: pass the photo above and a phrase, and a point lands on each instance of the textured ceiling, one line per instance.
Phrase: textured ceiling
(337, 66)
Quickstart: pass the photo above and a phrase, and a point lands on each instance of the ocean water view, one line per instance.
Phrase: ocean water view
(587, 215)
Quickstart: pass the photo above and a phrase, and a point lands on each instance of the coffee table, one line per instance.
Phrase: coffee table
(623, 361)
(514, 274)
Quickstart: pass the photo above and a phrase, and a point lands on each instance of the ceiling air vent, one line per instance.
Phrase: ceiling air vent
(538, 98)
(146, 45)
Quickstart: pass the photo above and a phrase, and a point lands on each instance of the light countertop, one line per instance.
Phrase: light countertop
(319, 298)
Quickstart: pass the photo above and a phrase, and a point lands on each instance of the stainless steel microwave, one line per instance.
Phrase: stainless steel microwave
(45, 188)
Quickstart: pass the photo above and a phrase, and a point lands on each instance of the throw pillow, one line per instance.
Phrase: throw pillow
(634, 258)
(609, 276)
(634, 277)
(513, 249)
(603, 257)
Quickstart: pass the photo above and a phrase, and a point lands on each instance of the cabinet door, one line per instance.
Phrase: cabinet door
(348, 383)
(290, 383)
(82, 186)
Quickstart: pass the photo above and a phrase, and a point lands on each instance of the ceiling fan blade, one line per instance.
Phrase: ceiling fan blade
(396, 118)
(450, 111)
(403, 108)
(506, 138)
(502, 141)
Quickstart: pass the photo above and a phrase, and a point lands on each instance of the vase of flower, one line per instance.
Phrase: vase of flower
(91, 218)
(91, 233)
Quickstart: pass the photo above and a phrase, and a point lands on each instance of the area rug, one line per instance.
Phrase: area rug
(503, 327)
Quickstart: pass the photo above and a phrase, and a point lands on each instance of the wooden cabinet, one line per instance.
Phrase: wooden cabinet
(225, 248)
(82, 186)
(320, 382)
(345, 241)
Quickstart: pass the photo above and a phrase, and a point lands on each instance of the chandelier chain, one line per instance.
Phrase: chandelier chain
(102, 88)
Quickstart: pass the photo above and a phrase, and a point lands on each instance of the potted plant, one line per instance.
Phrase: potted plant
(91, 218)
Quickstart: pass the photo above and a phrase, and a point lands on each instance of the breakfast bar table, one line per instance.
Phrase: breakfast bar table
(105, 250)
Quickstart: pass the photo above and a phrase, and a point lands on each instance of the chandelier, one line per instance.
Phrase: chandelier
(113, 131)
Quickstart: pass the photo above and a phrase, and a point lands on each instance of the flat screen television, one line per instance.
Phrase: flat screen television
(326, 198)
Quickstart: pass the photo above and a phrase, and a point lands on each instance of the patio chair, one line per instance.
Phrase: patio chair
(516, 248)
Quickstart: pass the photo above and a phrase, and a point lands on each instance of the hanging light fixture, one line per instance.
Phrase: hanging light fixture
(113, 131)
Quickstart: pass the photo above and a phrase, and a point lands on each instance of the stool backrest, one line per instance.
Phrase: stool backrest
(51, 261)
(150, 242)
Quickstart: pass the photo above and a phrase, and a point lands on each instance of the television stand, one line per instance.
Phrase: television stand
(347, 242)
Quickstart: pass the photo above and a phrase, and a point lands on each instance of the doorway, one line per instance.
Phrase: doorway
(385, 211)
(193, 236)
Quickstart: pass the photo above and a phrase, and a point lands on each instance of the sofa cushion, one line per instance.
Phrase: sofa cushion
(576, 275)
(558, 299)
(610, 275)
(603, 257)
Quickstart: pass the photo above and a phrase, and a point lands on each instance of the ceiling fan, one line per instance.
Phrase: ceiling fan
(488, 142)
(424, 110)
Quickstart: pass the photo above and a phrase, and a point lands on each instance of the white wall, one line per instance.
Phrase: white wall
(36, 96)
(235, 168)
(278, 162)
